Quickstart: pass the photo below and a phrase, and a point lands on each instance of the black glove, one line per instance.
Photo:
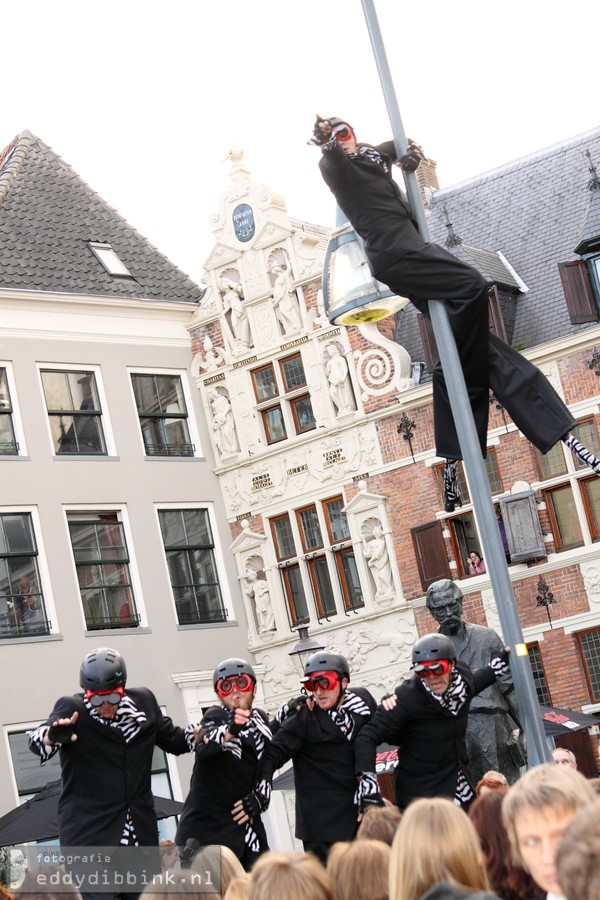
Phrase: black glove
(499, 664)
(232, 727)
(321, 132)
(367, 792)
(412, 158)
(257, 801)
(290, 708)
(61, 734)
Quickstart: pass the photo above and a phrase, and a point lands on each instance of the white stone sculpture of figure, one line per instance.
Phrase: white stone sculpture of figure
(285, 302)
(340, 387)
(258, 590)
(233, 299)
(223, 423)
(378, 559)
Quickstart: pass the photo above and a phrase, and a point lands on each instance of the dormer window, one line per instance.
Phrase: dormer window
(110, 260)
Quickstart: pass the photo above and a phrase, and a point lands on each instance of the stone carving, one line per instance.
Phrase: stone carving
(285, 301)
(223, 422)
(340, 386)
(399, 641)
(381, 371)
(377, 556)
(258, 590)
(213, 356)
(233, 302)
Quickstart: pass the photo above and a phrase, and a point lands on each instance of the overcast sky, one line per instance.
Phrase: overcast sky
(144, 99)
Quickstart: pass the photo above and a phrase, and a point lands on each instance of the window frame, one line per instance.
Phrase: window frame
(538, 671)
(218, 563)
(185, 416)
(594, 695)
(494, 474)
(116, 622)
(284, 399)
(13, 448)
(101, 413)
(38, 571)
(105, 254)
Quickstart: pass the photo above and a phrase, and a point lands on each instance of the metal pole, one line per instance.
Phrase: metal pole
(538, 750)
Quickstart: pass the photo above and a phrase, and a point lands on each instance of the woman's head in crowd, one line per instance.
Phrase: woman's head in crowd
(443, 847)
(359, 870)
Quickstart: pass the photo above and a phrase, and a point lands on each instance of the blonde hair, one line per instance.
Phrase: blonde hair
(558, 789)
(359, 870)
(238, 888)
(229, 865)
(435, 842)
(289, 876)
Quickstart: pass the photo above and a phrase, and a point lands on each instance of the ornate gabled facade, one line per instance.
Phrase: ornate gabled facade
(293, 406)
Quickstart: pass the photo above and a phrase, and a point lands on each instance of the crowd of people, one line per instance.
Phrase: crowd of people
(448, 835)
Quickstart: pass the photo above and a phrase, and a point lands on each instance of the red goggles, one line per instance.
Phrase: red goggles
(243, 683)
(97, 698)
(432, 667)
(327, 681)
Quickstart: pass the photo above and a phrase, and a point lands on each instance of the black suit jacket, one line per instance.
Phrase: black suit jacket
(220, 779)
(430, 740)
(103, 776)
(323, 771)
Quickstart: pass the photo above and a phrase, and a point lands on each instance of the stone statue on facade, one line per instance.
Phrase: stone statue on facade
(340, 387)
(258, 590)
(233, 302)
(378, 560)
(493, 741)
(285, 301)
(223, 423)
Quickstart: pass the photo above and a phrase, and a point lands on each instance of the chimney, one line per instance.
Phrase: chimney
(427, 180)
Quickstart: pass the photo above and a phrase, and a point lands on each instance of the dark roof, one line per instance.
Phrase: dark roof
(533, 211)
(47, 216)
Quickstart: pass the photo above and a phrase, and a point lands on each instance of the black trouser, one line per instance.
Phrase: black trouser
(319, 848)
(487, 362)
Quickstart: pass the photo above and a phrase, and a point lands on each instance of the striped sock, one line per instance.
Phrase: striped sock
(451, 491)
(583, 453)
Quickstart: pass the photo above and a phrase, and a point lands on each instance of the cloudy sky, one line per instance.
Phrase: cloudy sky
(144, 99)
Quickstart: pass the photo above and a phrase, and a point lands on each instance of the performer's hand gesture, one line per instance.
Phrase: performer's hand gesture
(62, 731)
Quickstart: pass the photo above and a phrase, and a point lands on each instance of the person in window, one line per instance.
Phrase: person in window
(106, 737)
(360, 177)
(476, 563)
(234, 739)
(426, 718)
(318, 735)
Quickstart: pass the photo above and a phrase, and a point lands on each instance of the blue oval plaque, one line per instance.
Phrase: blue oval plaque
(243, 222)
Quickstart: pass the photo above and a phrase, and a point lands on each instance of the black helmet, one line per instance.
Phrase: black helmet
(334, 121)
(433, 646)
(322, 661)
(232, 667)
(102, 670)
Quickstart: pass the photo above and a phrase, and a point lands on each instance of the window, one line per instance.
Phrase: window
(564, 520)
(283, 400)
(465, 539)
(190, 551)
(589, 648)
(102, 563)
(554, 463)
(8, 444)
(22, 607)
(74, 412)
(163, 415)
(325, 567)
(579, 293)
(590, 492)
(29, 775)
(109, 259)
(539, 676)
(493, 473)
(430, 553)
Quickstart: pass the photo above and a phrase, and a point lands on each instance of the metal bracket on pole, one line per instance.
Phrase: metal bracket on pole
(538, 750)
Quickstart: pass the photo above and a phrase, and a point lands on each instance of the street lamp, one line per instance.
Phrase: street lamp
(305, 647)
(351, 294)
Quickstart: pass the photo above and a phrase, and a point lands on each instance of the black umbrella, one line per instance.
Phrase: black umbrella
(564, 721)
(37, 818)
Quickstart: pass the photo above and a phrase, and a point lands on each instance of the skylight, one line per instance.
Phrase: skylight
(109, 259)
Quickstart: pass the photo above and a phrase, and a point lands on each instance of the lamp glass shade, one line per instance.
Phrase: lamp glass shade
(305, 647)
(351, 295)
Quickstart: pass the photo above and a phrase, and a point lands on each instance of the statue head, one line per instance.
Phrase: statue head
(444, 601)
